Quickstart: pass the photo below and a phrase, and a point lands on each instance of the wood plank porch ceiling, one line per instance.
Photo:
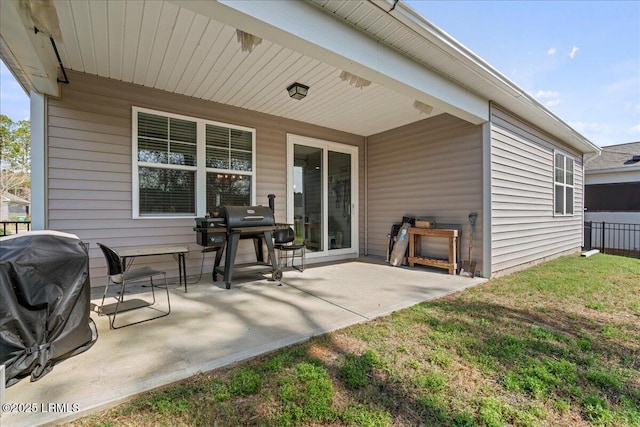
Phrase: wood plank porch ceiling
(158, 44)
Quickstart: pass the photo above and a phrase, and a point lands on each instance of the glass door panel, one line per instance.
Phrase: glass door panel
(308, 196)
(339, 200)
(322, 177)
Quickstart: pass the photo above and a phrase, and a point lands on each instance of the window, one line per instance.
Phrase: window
(185, 166)
(229, 158)
(563, 188)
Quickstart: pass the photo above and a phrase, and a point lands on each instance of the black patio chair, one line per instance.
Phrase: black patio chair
(284, 242)
(118, 275)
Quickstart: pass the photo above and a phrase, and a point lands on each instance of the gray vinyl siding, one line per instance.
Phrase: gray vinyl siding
(432, 168)
(89, 167)
(524, 228)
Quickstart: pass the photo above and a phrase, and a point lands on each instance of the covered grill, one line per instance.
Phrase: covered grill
(44, 303)
(223, 231)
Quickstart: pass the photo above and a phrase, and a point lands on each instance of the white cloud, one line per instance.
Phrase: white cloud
(609, 132)
(550, 98)
(573, 52)
(551, 51)
(547, 94)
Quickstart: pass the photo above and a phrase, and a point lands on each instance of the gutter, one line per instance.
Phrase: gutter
(409, 18)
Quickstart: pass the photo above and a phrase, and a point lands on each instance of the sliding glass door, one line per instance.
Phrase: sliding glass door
(308, 196)
(339, 200)
(322, 199)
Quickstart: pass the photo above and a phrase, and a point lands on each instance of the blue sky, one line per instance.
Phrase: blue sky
(579, 58)
(14, 102)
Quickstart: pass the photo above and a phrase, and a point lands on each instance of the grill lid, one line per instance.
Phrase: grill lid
(248, 216)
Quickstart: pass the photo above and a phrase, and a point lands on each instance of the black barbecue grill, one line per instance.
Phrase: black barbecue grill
(223, 231)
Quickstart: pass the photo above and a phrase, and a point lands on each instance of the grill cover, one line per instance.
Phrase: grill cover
(44, 302)
(248, 216)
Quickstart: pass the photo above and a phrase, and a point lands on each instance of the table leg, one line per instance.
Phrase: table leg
(183, 270)
(412, 248)
(126, 262)
(452, 255)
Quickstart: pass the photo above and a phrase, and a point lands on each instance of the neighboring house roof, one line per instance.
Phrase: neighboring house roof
(615, 158)
(414, 69)
(11, 198)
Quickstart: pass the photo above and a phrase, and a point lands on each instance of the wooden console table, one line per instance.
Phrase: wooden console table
(415, 236)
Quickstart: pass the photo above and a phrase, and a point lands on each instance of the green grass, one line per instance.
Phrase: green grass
(356, 370)
(555, 345)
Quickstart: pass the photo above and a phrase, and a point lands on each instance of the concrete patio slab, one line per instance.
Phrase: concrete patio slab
(372, 289)
(210, 327)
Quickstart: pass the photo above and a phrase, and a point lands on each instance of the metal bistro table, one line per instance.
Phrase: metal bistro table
(178, 252)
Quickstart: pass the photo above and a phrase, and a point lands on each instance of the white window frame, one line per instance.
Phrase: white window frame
(200, 169)
(566, 157)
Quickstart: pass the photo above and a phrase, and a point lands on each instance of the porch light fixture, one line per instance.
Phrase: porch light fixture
(298, 90)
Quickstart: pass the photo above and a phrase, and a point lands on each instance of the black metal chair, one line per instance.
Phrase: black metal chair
(118, 275)
(285, 243)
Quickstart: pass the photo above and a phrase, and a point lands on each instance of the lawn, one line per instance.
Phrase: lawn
(555, 345)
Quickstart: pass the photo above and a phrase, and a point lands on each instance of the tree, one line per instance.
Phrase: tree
(15, 157)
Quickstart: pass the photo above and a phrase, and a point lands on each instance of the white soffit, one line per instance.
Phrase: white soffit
(190, 48)
(298, 25)
(161, 45)
(29, 54)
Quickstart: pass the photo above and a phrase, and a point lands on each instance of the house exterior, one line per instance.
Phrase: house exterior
(12, 206)
(174, 107)
(612, 185)
(612, 200)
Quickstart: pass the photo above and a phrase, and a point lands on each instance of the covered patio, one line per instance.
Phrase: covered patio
(211, 327)
(399, 120)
